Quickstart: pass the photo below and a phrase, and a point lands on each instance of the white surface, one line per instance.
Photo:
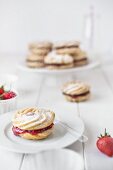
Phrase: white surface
(92, 64)
(60, 137)
(54, 160)
(97, 113)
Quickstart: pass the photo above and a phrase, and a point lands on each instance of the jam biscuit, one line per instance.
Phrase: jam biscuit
(35, 61)
(70, 48)
(76, 91)
(33, 123)
(80, 59)
(55, 61)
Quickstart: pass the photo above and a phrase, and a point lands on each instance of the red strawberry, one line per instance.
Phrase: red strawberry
(1, 90)
(105, 144)
(8, 95)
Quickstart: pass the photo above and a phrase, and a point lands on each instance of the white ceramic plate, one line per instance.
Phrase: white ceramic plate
(92, 64)
(58, 139)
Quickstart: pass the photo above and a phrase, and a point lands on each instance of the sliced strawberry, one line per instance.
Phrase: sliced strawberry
(105, 144)
(1, 90)
(8, 95)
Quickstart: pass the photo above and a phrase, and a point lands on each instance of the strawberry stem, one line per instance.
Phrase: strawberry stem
(105, 134)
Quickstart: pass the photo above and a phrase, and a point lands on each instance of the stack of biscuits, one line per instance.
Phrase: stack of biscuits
(58, 56)
(37, 53)
(73, 49)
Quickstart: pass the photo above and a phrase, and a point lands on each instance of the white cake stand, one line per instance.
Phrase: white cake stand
(58, 76)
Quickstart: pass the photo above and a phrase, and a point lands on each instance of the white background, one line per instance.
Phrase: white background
(23, 21)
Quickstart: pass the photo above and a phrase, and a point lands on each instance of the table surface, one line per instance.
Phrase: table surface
(97, 113)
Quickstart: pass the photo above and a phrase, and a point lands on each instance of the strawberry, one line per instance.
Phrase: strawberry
(8, 95)
(1, 90)
(105, 144)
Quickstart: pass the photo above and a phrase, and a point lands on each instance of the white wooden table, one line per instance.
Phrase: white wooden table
(97, 113)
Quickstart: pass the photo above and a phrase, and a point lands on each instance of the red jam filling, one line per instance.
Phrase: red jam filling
(75, 96)
(17, 131)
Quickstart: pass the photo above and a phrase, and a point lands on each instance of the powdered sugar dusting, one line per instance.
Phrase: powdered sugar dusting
(55, 58)
(76, 88)
(32, 119)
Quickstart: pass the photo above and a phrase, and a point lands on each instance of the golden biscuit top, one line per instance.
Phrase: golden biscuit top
(66, 44)
(80, 55)
(75, 88)
(41, 44)
(33, 118)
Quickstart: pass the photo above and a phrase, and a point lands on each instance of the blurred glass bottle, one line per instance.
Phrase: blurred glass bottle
(89, 29)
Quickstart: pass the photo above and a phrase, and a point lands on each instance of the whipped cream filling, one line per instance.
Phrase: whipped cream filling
(55, 58)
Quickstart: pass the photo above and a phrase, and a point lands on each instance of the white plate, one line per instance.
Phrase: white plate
(92, 64)
(58, 139)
